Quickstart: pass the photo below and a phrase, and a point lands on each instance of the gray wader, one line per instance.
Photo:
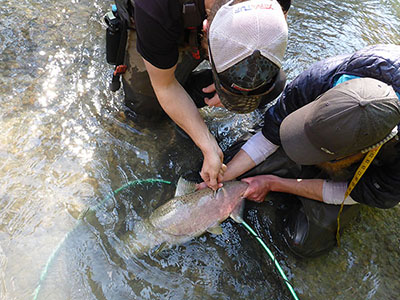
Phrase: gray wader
(309, 226)
(139, 94)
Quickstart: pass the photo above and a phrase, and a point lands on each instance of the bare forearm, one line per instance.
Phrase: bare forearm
(180, 107)
(309, 188)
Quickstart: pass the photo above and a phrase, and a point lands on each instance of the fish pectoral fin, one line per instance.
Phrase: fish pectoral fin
(216, 229)
(237, 212)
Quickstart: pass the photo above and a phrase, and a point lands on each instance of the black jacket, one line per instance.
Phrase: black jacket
(380, 185)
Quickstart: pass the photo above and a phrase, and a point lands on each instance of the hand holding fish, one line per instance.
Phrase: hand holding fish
(203, 185)
(259, 187)
(213, 170)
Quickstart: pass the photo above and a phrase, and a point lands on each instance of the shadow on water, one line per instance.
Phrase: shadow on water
(65, 146)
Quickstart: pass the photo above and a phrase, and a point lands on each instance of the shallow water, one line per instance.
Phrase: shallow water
(65, 146)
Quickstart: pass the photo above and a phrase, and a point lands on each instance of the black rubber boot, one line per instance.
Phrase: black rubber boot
(310, 230)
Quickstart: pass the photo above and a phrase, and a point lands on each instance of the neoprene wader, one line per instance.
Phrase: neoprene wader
(310, 230)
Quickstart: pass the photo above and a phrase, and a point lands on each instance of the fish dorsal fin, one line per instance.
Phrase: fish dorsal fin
(237, 212)
(216, 229)
(184, 187)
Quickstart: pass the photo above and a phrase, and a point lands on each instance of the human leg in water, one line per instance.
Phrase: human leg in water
(140, 98)
(309, 229)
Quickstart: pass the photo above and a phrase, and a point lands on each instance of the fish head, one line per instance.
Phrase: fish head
(232, 190)
(230, 197)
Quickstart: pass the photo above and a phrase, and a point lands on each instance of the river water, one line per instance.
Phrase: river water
(65, 146)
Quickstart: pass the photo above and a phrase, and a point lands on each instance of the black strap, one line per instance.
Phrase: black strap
(125, 10)
(192, 13)
(122, 44)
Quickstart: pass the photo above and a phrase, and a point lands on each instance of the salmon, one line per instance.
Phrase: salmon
(188, 215)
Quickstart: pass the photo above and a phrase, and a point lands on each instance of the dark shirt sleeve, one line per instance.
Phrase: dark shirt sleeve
(380, 184)
(157, 43)
(304, 89)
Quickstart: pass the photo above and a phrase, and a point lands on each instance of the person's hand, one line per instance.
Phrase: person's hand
(213, 169)
(259, 187)
(201, 186)
(214, 101)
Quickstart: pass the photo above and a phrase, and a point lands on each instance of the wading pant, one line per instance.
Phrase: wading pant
(309, 226)
(139, 94)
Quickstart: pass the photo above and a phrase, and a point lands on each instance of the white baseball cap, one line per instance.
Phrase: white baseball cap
(247, 43)
(237, 30)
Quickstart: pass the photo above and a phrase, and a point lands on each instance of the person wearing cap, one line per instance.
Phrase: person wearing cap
(245, 59)
(332, 138)
(159, 78)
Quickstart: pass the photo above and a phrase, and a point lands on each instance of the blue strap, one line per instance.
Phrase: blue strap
(346, 77)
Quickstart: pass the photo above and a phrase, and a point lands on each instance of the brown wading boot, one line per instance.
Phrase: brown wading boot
(310, 230)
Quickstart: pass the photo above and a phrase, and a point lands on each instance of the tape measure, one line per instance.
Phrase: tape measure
(357, 176)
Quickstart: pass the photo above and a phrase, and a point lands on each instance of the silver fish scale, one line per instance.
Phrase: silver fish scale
(194, 213)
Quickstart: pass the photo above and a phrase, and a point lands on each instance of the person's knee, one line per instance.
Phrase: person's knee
(143, 107)
(139, 95)
(310, 230)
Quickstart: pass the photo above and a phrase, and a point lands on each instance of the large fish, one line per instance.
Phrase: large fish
(188, 215)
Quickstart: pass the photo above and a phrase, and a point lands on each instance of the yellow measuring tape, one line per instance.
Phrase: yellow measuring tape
(359, 173)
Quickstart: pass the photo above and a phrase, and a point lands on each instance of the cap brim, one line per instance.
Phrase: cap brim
(245, 104)
(280, 83)
(295, 141)
(239, 104)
